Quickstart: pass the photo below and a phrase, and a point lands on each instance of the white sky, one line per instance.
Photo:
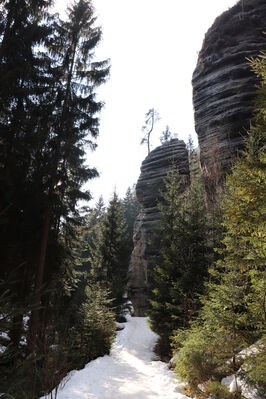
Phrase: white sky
(153, 47)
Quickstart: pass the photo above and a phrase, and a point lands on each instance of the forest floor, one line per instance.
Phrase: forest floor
(131, 371)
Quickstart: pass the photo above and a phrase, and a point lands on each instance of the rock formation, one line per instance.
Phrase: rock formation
(147, 227)
(224, 86)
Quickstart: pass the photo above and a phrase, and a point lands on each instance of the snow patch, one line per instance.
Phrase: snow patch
(129, 372)
(232, 383)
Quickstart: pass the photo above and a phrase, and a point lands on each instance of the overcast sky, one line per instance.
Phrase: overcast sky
(153, 47)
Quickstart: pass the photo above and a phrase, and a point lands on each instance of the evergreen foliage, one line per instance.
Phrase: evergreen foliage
(110, 252)
(49, 114)
(89, 232)
(218, 391)
(253, 369)
(73, 124)
(68, 274)
(132, 209)
(23, 85)
(166, 135)
(95, 326)
(178, 280)
(151, 117)
(233, 313)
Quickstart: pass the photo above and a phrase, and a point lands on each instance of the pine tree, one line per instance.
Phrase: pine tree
(110, 253)
(152, 117)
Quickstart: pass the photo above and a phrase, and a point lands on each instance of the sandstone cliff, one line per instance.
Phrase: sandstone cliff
(224, 87)
(147, 227)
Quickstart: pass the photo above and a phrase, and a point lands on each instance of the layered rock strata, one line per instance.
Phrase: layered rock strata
(224, 87)
(147, 227)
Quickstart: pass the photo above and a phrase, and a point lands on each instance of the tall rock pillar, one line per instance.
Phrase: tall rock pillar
(147, 227)
(224, 87)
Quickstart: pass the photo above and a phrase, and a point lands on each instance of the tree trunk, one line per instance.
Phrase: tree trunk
(35, 318)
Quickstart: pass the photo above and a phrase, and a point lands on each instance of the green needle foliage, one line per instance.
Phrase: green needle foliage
(132, 209)
(178, 279)
(110, 253)
(49, 116)
(233, 313)
(94, 330)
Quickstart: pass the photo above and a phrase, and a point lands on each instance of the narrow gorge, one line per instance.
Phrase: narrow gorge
(224, 89)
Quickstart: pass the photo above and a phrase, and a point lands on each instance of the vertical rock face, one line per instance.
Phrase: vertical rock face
(147, 227)
(224, 86)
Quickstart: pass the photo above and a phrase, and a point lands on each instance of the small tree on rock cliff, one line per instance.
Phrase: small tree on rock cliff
(151, 117)
(166, 135)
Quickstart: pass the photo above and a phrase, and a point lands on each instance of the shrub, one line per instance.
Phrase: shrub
(253, 370)
(195, 362)
(216, 390)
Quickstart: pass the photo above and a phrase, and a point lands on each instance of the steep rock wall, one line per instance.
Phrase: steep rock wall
(224, 87)
(147, 227)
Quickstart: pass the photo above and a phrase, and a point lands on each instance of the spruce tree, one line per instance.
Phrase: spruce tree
(94, 328)
(23, 86)
(166, 135)
(89, 231)
(86, 238)
(132, 208)
(73, 124)
(244, 206)
(48, 115)
(233, 313)
(178, 278)
(110, 253)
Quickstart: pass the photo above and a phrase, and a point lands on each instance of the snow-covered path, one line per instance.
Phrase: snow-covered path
(130, 372)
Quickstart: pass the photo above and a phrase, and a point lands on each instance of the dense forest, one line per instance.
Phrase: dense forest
(64, 265)
(63, 268)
